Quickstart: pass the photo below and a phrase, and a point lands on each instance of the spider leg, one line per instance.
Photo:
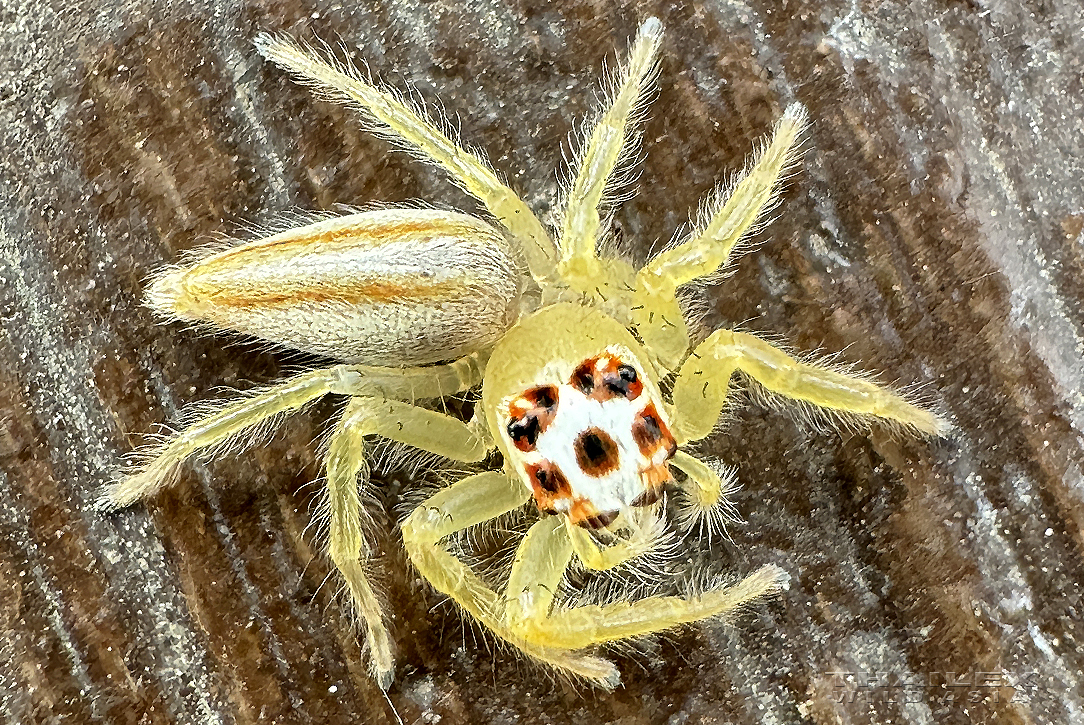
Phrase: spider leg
(219, 427)
(405, 423)
(613, 138)
(347, 546)
(473, 500)
(580, 627)
(702, 384)
(729, 222)
(702, 484)
(660, 323)
(410, 127)
(541, 560)
(656, 313)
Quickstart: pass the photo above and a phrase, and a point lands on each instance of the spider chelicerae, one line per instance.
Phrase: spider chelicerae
(590, 386)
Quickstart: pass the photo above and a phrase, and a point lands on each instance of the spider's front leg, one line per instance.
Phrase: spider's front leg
(532, 615)
(526, 616)
(474, 500)
(644, 533)
(700, 392)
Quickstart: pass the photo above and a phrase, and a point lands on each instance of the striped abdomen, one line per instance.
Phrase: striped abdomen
(385, 287)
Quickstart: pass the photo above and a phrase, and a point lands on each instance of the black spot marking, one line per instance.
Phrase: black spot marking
(583, 377)
(651, 433)
(524, 426)
(623, 382)
(605, 377)
(545, 481)
(544, 396)
(647, 433)
(549, 485)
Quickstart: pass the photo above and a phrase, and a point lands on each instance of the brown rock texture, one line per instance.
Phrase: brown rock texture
(934, 233)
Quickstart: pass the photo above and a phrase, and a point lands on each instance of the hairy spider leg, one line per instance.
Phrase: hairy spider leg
(535, 620)
(701, 387)
(419, 427)
(472, 501)
(219, 426)
(730, 219)
(346, 474)
(703, 485)
(525, 616)
(398, 121)
(613, 138)
(541, 559)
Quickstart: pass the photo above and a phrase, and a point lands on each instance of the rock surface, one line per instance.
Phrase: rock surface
(934, 233)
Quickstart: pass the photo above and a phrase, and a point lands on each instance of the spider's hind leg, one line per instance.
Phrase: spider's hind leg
(346, 543)
(376, 407)
(392, 117)
(219, 427)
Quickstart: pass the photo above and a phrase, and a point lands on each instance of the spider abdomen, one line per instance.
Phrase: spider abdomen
(385, 287)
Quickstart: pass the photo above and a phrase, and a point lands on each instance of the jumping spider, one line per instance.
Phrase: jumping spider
(571, 358)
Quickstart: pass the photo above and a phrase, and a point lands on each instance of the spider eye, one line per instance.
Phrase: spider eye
(530, 414)
(600, 521)
(651, 430)
(605, 377)
(650, 433)
(524, 431)
(544, 481)
(624, 382)
(548, 480)
(544, 396)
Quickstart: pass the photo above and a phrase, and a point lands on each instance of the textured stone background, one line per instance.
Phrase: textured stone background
(934, 234)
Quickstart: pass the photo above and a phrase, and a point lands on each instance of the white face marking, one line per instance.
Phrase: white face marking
(590, 439)
(575, 414)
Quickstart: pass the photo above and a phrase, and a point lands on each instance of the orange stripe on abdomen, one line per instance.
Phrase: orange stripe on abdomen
(206, 294)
